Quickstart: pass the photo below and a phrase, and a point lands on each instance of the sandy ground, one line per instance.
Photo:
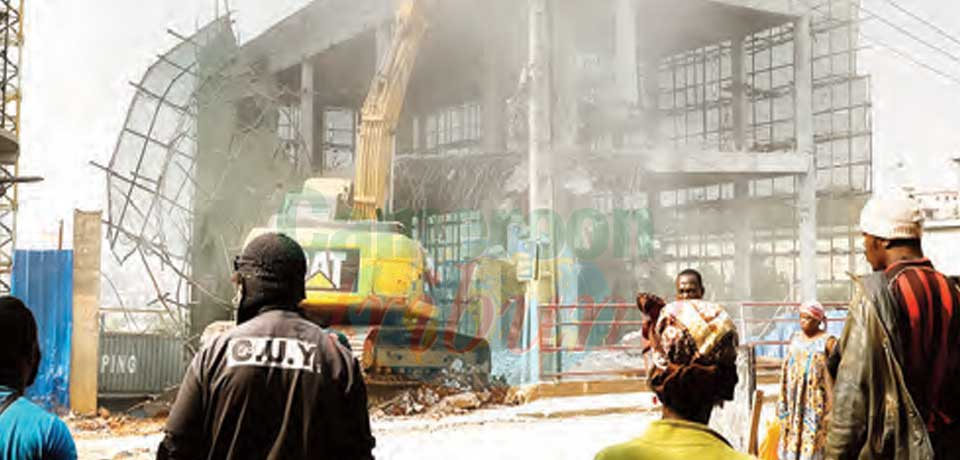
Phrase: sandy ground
(572, 438)
(542, 429)
(558, 429)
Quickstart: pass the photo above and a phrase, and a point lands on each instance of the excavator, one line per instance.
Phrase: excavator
(366, 278)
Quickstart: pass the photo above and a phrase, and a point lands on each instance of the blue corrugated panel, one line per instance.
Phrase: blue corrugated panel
(44, 281)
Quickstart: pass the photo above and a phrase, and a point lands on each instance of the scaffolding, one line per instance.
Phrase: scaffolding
(11, 32)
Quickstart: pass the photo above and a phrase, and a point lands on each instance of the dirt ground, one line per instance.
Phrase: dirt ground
(542, 429)
(558, 429)
(558, 439)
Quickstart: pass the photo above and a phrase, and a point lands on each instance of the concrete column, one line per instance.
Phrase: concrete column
(540, 107)
(420, 134)
(494, 100)
(625, 48)
(743, 285)
(807, 193)
(626, 71)
(742, 230)
(85, 337)
(740, 101)
(566, 111)
(651, 98)
(540, 196)
(308, 113)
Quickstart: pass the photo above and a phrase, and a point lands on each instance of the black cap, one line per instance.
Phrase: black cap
(272, 257)
(273, 271)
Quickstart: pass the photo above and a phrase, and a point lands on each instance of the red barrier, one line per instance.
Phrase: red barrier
(553, 327)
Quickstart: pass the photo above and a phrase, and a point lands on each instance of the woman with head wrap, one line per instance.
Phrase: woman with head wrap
(806, 389)
(694, 353)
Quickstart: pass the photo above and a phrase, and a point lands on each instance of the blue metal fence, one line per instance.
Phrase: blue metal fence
(44, 281)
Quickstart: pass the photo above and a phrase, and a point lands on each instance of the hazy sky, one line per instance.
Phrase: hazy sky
(81, 54)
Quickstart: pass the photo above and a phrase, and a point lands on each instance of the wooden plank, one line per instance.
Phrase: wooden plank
(85, 336)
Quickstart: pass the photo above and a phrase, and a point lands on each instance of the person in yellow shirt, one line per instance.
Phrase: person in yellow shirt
(694, 351)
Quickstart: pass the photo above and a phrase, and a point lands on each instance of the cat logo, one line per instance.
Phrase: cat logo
(281, 353)
(336, 266)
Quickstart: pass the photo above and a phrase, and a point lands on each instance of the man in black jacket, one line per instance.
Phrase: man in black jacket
(276, 387)
(897, 390)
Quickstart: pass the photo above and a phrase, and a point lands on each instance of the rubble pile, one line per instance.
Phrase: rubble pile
(455, 390)
(106, 423)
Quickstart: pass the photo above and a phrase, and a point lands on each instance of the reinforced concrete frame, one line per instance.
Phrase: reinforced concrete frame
(764, 116)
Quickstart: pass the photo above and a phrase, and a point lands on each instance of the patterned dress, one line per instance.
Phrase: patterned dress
(803, 396)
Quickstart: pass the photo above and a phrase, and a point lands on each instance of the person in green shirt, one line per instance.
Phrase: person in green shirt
(694, 352)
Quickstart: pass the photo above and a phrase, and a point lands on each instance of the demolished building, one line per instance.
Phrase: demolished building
(731, 136)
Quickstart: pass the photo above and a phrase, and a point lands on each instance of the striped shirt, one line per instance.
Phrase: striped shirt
(929, 304)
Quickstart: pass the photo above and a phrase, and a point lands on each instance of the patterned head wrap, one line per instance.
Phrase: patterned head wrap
(815, 310)
(692, 330)
(694, 346)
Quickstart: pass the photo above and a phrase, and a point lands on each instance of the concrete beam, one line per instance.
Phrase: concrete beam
(783, 7)
(726, 163)
(314, 29)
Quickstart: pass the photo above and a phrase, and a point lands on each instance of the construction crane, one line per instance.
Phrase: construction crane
(381, 111)
(11, 40)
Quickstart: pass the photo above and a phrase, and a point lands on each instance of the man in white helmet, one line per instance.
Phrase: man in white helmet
(897, 394)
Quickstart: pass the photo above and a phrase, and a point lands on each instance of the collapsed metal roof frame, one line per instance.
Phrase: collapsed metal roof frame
(152, 184)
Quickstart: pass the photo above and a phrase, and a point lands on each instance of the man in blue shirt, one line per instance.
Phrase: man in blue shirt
(27, 432)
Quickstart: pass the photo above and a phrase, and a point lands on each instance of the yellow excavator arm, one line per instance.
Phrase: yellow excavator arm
(381, 111)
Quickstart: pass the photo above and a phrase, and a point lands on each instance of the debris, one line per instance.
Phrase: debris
(156, 406)
(456, 389)
(106, 423)
(135, 453)
(462, 401)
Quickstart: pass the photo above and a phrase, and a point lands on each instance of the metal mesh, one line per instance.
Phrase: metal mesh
(156, 197)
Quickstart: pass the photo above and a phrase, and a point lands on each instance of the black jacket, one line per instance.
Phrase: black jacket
(276, 387)
(874, 416)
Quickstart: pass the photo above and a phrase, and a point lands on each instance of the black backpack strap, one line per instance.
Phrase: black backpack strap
(9, 400)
